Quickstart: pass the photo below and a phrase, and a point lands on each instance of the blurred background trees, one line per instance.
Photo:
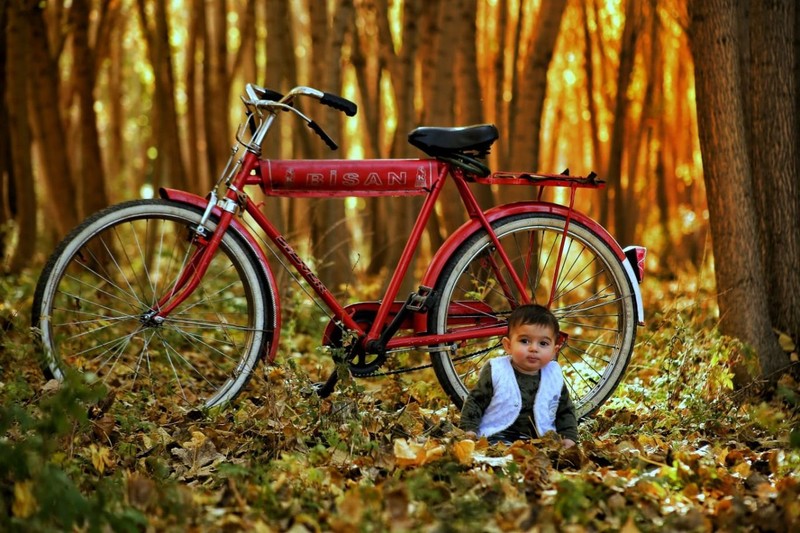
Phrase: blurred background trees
(105, 101)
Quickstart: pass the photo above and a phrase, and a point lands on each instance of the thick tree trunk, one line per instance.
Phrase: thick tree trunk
(18, 37)
(743, 305)
(773, 143)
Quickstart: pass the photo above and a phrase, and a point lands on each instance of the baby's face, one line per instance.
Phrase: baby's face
(531, 347)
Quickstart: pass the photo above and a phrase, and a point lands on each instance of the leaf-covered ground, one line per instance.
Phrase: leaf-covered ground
(675, 449)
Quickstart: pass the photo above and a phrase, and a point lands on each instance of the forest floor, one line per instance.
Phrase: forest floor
(675, 449)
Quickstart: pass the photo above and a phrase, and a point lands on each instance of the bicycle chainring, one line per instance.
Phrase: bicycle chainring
(360, 363)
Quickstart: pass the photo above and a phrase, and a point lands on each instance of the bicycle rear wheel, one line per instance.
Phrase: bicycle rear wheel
(93, 293)
(593, 302)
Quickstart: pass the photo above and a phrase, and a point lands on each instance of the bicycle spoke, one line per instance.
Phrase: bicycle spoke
(575, 273)
(91, 301)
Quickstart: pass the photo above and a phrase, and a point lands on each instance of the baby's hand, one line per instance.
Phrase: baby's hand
(567, 443)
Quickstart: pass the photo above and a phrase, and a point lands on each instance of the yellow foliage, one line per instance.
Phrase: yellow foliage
(24, 500)
(415, 453)
(101, 457)
(463, 451)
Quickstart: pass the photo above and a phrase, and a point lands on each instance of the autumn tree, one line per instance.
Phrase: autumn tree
(743, 299)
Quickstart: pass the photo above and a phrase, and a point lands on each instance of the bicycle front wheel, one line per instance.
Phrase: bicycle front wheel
(592, 300)
(92, 296)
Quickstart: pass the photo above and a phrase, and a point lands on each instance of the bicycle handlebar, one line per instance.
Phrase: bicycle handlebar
(261, 97)
(342, 104)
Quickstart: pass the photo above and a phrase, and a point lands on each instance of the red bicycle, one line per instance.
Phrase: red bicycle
(179, 290)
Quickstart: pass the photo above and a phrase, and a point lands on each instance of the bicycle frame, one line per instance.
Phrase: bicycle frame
(182, 289)
(383, 177)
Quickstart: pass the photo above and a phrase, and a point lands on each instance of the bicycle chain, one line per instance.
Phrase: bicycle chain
(421, 367)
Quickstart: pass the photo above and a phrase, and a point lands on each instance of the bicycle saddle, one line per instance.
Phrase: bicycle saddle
(448, 141)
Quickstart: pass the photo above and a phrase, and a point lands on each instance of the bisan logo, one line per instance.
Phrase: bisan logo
(333, 178)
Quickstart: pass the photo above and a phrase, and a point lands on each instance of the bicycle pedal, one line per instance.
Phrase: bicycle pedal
(418, 301)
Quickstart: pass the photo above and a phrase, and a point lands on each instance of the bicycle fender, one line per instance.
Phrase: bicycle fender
(496, 213)
(183, 197)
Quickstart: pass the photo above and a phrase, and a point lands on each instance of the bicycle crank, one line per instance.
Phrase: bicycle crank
(343, 348)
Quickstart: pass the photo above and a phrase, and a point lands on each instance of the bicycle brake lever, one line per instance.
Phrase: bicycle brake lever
(325, 137)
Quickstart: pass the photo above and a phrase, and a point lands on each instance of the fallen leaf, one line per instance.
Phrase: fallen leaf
(24, 501)
(463, 451)
(101, 457)
(199, 457)
(405, 453)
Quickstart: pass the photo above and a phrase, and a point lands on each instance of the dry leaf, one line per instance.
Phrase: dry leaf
(199, 457)
(463, 451)
(101, 457)
(405, 453)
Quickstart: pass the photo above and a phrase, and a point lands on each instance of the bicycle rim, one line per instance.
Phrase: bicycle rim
(92, 295)
(592, 301)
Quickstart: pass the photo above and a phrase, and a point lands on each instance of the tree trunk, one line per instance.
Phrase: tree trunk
(330, 235)
(594, 128)
(440, 111)
(92, 183)
(117, 164)
(498, 156)
(168, 168)
(6, 173)
(532, 86)
(512, 103)
(469, 98)
(20, 169)
(773, 144)
(389, 233)
(215, 86)
(48, 127)
(627, 54)
(198, 173)
(743, 305)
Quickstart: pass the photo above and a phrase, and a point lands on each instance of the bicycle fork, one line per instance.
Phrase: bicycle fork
(196, 266)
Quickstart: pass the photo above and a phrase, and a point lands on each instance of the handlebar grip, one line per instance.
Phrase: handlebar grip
(319, 131)
(342, 104)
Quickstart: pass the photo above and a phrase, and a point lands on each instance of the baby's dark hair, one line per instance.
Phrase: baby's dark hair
(533, 314)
